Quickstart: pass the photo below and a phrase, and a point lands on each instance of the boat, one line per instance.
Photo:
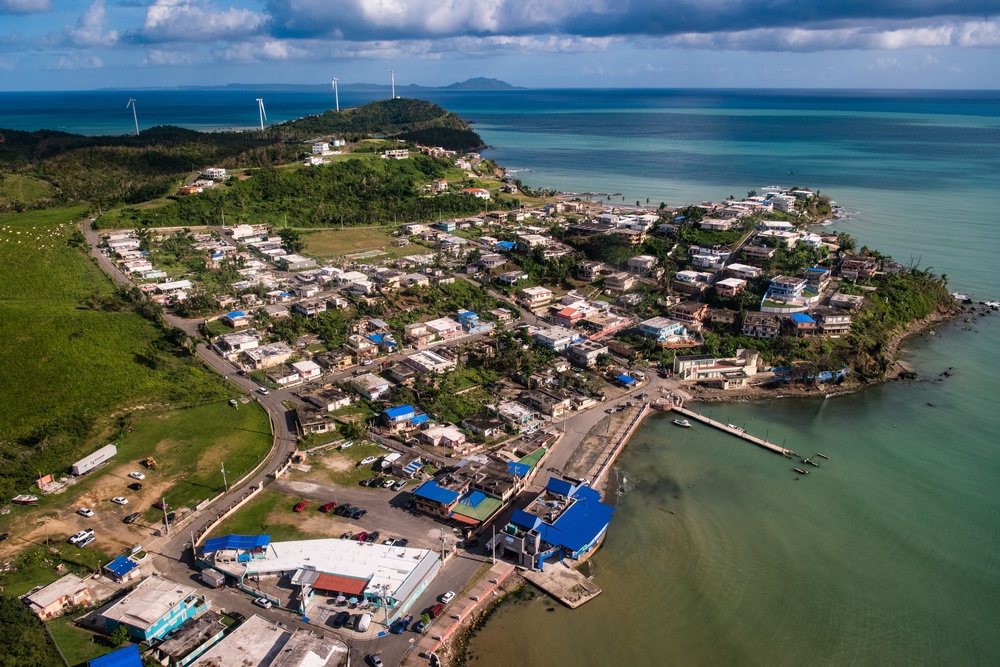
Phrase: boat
(823, 456)
(683, 423)
(801, 471)
(25, 499)
(810, 462)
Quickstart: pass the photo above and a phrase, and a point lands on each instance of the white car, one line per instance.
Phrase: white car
(84, 511)
(120, 500)
(448, 597)
(136, 475)
(262, 602)
(82, 535)
(263, 391)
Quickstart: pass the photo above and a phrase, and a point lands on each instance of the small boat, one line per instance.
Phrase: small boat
(683, 423)
(810, 462)
(25, 499)
(823, 456)
(801, 471)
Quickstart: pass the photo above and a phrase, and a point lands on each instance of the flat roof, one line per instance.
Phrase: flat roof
(150, 601)
(59, 588)
(254, 643)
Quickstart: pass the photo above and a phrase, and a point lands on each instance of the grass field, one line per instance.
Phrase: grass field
(340, 466)
(190, 446)
(37, 566)
(334, 242)
(269, 513)
(15, 188)
(65, 364)
(77, 645)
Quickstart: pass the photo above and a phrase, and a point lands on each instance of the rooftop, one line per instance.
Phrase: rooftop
(150, 601)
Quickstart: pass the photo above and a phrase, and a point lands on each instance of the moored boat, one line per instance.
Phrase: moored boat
(683, 423)
(25, 499)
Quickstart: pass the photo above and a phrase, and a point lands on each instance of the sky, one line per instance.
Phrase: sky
(89, 44)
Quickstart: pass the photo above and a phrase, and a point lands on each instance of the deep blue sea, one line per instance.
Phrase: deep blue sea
(719, 555)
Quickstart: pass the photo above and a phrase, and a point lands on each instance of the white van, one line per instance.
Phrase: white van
(364, 622)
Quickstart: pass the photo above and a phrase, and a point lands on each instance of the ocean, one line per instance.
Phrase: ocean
(718, 553)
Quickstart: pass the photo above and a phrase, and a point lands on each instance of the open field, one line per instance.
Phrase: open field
(339, 467)
(271, 513)
(72, 355)
(335, 242)
(17, 189)
(76, 644)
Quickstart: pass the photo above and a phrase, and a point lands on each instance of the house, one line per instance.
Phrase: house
(511, 277)
(786, 288)
(589, 270)
(832, 321)
(502, 315)
(484, 426)
(855, 267)
(556, 339)
(215, 172)
(396, 154)
(418, 334)
(445, 435)
(311, 308)
(802, 324)
(759, 252)
(295, 262)
(415, 280)
(641, 264)
(402, 374)
(566, 520)
(690, 312)
(620, 282)
(721, 316)
(127, 656)
(335, 360)
(715, 225)
(700, 367)
(520, 417)
(328, 400)
(153, 608)
(268, 356)
(122, 569)
(50, 601)
(444, 328)
(567, 317)
(320, 148)
(585, 352)
(360, 347)
(399, 414)
(370, 386)
(192, 640)
(479, 193)
(744, 271)
(817, 278)
(426, 361)
(493, 261)
(533, 297)
(307, 370)
(730, 286)
(847, 301)
(309, 419)
(761, 325)
(661, 328)
(284, 377)
(547, 403)
(471, 323)
(230, 345)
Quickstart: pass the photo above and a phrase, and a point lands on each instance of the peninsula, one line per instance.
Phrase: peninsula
(264, 359)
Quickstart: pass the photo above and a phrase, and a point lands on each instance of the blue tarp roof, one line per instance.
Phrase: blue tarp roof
(399, 411)
(802, 318)
(123, 657)
(240, 542)
(432, 491)
(419, 419)
(624, 379)
(236, 313)
(121, 566)
(507, 245)
(519, 469)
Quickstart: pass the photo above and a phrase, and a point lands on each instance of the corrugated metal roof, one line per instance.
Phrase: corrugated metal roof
(123, 657)
(340, 584)
(399, 411)
(239, 542)
(432, 491)
(121, 566)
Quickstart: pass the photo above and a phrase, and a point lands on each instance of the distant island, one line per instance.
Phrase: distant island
(476, 83)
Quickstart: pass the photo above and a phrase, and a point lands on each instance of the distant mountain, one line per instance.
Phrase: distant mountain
(482, 83)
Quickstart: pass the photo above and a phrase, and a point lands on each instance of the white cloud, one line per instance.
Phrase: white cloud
(187, 21)
(79, 62)
(25, 6)
(160, 57)
(90, 28)
(261, 50)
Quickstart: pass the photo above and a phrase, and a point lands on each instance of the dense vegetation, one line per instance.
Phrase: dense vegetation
(364, 191)
(23, 640)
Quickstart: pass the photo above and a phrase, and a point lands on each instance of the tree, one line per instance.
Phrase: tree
(119, 636)
(23, 640)
(292, 239)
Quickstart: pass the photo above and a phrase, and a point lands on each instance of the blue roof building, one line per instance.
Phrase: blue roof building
(398, 414)
(122, 568)
(504, 246)
(625, 380)
(567, 520)
(127, 656)
(433, 499)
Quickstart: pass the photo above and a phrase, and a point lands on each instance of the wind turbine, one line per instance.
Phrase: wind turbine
(263, 114)
(131, 103)
(336, 94)
(392, 75)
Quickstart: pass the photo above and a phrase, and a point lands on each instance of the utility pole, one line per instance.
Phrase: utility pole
(224, 477)
(163, 501)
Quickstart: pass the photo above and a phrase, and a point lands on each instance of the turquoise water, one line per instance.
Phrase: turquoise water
(719, 554)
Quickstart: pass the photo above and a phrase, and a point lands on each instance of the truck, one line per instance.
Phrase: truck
(213, 578)
(98, 458)
(364, 622)
(388, 460)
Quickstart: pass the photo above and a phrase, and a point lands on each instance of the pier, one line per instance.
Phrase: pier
(738, 432)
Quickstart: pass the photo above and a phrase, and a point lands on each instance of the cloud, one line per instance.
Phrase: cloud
(25, 6)
(262, 50)
(159, 57)
(90, 28)
(79, 62)
(187, 21)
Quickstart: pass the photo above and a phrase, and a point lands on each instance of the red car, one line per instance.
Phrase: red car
(328, 507)
(360, 537)
(301, 506)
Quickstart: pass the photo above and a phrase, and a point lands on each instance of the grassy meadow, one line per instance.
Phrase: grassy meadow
(336, 242)
(67, 363)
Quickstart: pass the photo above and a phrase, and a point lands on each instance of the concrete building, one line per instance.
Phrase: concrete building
(661, 328)
(730, 286)
(191, 641)
(585, 352)
(786, 288)
(556, 339)
(155, 607)
(620, 282)
(370, 386)
(533, 297)
(761, 325)
(258, 642)
(295, 262)
(268, 356)
(641, 264)
(426, 361)
(50, 601)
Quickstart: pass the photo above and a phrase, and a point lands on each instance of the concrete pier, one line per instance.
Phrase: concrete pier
(738, 432)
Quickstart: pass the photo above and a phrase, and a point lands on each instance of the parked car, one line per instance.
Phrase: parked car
(357, 513)
(387, 484)
(263, 392)
(372, 536)
(328, 507)
(399, 486)
(447, 597)
(373, 659)
(471, 543)
(135, 486)
(342, 510)
(340, 620)
(160, 505)
(169, 519)
(301, 506)
(436, 610)
(132, 518)
(399, 626)
(420, 626)
(85, 541)
(84, 511)
(237, 616)
(402, 543)
(82, 535)
(360, 537)
(120, 500)
(135, 474)
(347, 536)
(263, 602)
(389, 542)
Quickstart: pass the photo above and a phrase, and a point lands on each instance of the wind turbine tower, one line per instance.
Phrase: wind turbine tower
(263, 114)
(336, 94)
(392, 75)
(131, 103)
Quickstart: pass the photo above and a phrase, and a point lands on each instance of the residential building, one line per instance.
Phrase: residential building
(231, 345)
(191, 641)
(715, 225)
(520, 417)
(307, 370)
(567, 317)
(512, 277)
(534, 297)
(328, 400)
(484, 426)
(443, 435)
(730, 286)
(620, 282)
(699, 367)
(854, 267)
(847, 301)
(360, 347)
(153, 608)
(817, 278)
(744, 271)
(551, 405)
(444, 328)
(479, 193)
(832, 321)
(661, 328)
(759, 252)
(370, 385)
(309, 419)
(471, 323)
(311, 308)
(691, 313)
(426, 361)
(761, 325)
(585, 352)
(50, 601)
(396, 154)
(335, 360)
(786, 288)
(267, 356)
(801, 324)
(589, 270)
(295, 262)
(556, 339)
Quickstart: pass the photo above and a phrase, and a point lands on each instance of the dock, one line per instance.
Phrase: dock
(738, 432)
